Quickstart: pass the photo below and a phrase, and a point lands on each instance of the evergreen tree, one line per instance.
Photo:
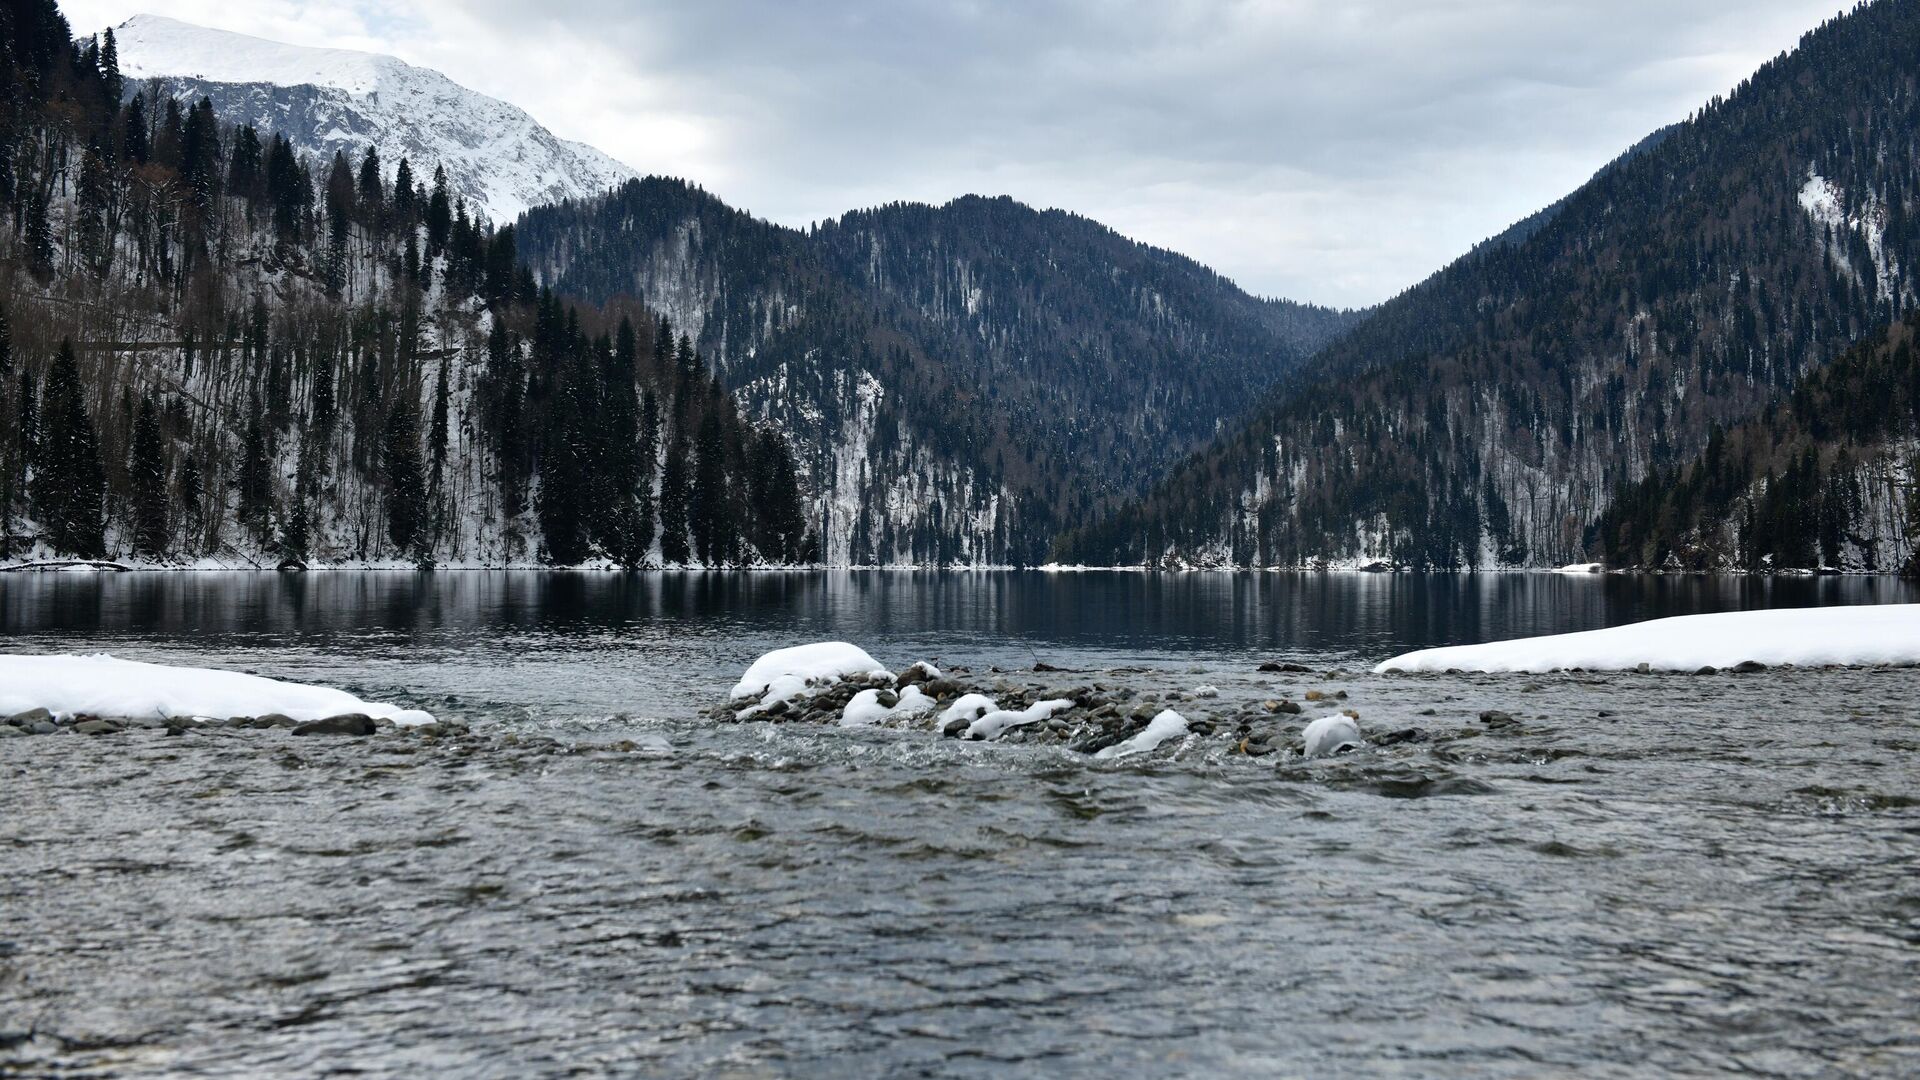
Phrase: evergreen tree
(255, 475)
(439, 214)
(110, 77)
(133, 139)
(712, 509)
(200, 155)
(372, 192)
(646, 464)
(191, 492)
(565, 467)
(406, 486)
(27, 421)
(245, 165)
(9, 472)
(95, 242)
(437, 428)
(69, 484)
(323, 399)
(403, 195)
(38, 229)
(675, 495)
(778, 523)
(147, 471)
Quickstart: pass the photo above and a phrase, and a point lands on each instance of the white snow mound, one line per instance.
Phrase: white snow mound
(1168, 725)
(1861, 634)
(821, 662)
(865, 709)
(995, 724)
(1330, 735)
(969, 707)
(104, 686)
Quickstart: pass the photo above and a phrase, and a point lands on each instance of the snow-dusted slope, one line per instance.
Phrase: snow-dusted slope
(496, 156)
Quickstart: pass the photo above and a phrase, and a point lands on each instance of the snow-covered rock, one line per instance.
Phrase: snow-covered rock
(968, 708)
(1331, 734)
(1167, 725)
(866, 710)
(104, 686)
(815, 664)
(998, 723)
(496, 156)
(1579, 568)
(1865, 634)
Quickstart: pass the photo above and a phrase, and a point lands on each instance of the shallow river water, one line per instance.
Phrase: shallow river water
(1647, 874)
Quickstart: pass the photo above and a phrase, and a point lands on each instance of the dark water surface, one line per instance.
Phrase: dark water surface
(1649, 874)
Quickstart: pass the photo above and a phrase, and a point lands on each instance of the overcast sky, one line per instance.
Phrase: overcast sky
(1328, 150)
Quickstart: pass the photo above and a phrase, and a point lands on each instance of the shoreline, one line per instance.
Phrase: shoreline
(107, 566)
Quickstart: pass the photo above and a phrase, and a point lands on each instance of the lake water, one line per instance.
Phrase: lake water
(1649, 874)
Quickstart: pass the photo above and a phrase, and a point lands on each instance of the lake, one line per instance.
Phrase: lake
(1648, 873)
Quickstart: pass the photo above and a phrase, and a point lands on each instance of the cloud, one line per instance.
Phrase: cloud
(1330, 150)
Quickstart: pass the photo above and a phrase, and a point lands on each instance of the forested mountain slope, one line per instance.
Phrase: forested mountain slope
(960, 381)
(1829, 478)
(218, 351)
(1486, 416)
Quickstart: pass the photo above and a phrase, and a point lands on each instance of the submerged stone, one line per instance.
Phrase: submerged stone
(357, 724)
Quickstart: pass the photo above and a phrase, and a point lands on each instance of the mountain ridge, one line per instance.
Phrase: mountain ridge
(1485, 417)
(497, 156)
(1087, 360)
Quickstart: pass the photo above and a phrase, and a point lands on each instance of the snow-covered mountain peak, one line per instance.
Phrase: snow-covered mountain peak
(497, 157)
(154, 46)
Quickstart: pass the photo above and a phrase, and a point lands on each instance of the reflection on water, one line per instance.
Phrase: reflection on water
(656, 636)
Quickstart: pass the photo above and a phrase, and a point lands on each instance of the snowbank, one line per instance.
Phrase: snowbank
(821, 662)
(1580, 568)
(104, 686)
(1868, 634)
(1168, 725)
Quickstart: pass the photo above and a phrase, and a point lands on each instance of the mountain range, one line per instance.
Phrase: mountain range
(987, 383)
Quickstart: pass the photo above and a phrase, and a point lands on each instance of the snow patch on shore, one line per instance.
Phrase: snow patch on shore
(1862, 634)
(105, 686)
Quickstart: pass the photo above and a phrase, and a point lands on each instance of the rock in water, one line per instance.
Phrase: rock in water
(350, 724)
(1330, 735)
(1167, 725)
